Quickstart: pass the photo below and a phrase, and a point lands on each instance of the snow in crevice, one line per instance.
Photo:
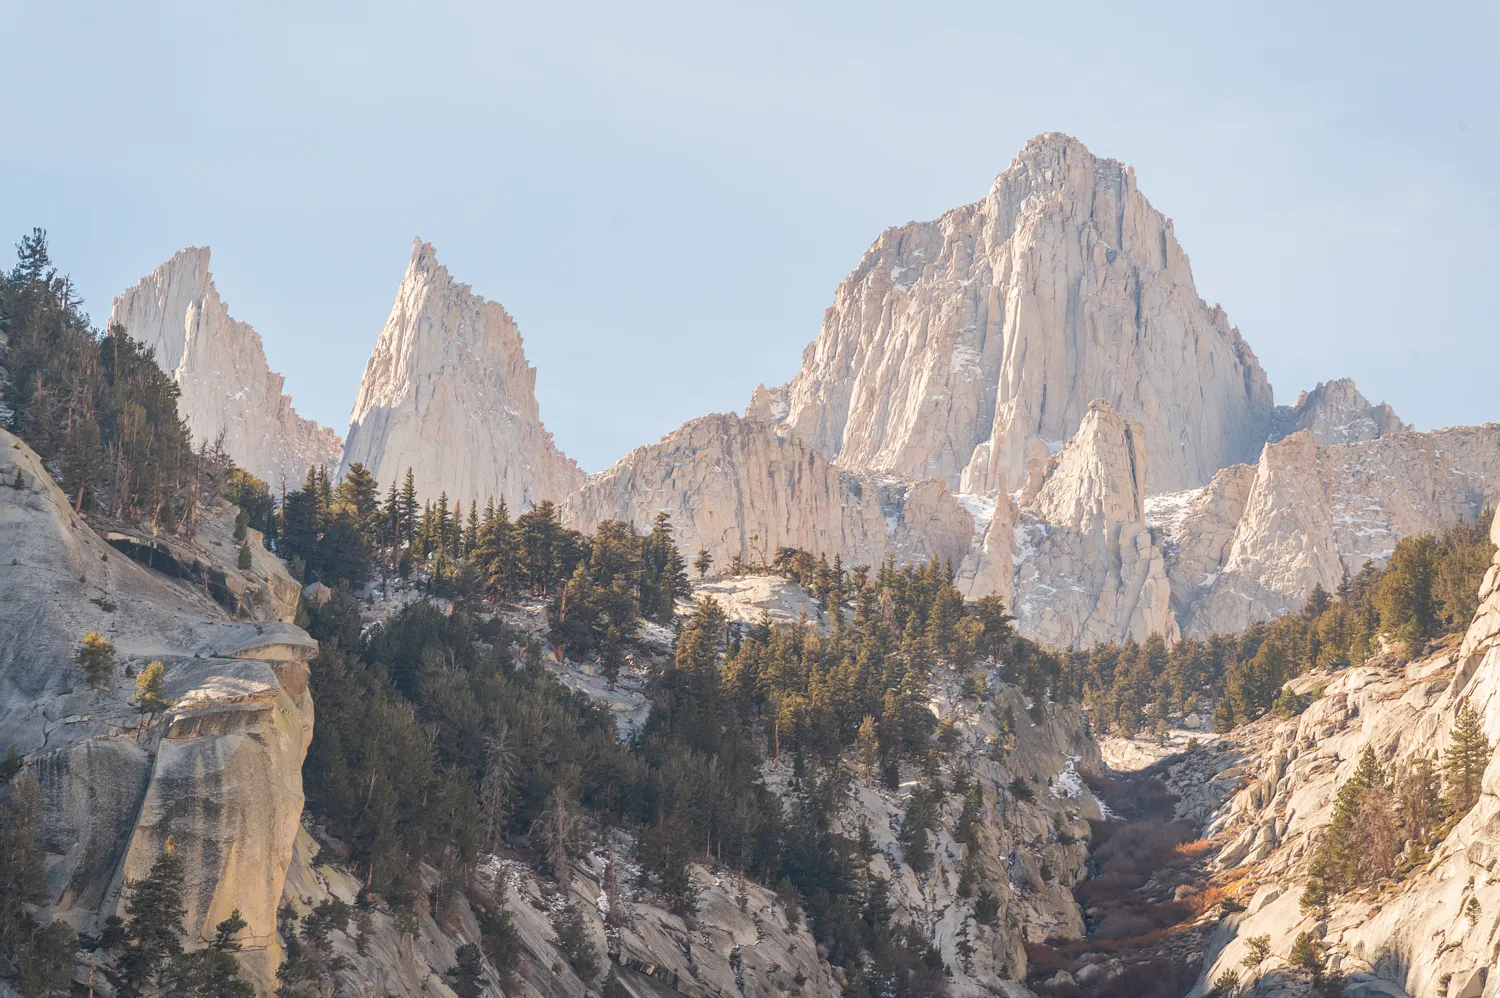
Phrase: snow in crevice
(980, 507)
(1166, 512)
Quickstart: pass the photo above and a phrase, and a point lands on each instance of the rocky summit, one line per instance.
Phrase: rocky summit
(220, 366)
(970, 347)
(447, 393)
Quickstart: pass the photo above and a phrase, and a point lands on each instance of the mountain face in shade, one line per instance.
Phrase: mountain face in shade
(448, 393)
(220, 366)
(970, 347)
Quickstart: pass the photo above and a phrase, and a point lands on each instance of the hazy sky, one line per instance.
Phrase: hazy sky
(666, 195)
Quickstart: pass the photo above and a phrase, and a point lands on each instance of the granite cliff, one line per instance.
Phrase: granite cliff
(1415, 935)
(969, 348)
(220, 366)
(1257, 539)
(448, 393)
(220, 772)
(738, 488)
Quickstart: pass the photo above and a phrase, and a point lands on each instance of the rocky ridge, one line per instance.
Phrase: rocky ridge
(741, 489)
(448, 393)
(219, 363)
(1256, 540)
(1336, 412)
(969, 348)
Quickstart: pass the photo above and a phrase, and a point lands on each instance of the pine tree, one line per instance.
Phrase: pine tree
(153, 926)
(471, 532)
(244, 558)
(1468, 754)
(97, 656)
(466, 976)
(868, 749)
(43, 956)
(409, 507)
(211, 972)
(496, 785)
(1339, 863)
(359, 494)
(703, 562)
(1404, 596)
(1419, 799)
(150, 699)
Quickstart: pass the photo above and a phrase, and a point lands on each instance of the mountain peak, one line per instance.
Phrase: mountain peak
(220, 366)
(448, 393)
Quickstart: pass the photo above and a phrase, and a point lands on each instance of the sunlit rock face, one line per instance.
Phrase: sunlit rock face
(448, 393)
(1336, 412)
(220, 367)
(219, 773)
(969, 348)
(1258, 539)
(738, 488)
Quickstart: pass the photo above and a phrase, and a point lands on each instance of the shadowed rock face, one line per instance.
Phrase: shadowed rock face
(219, 773)
(969, 347)
(448, 393)
(220, 366)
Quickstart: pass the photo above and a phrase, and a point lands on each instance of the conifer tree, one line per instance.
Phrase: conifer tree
(1339, 863)
(703, 562)
(97, 657)
(1404, 596)
(471, 532)
(150, 698)
(1419, 799)
(42, 955)
(359, 494)
(867, 749)
(211, 972)
(1468, 754)
(153, 926)
(409, 507)
(466, 976)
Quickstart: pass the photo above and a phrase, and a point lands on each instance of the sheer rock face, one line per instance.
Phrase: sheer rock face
(220, 772)
(969, 348)
(1252, 547)
(1085, 567)
(220, 365)
(1336, 413)
(448, 393)
(1422, 937)
(739, 488)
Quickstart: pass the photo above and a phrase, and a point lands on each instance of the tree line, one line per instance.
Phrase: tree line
(1427, 589)
(97, 407)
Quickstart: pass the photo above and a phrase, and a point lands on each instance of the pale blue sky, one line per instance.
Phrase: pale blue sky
(665, 195)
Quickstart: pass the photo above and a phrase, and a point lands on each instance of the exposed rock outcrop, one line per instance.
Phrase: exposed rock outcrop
(740, 489)
(1250, 547)
(1085, 566)
(1420, 936)
(448, 393)
(220, 772)
(969, 347)
(220, 365)
(1336, 413)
